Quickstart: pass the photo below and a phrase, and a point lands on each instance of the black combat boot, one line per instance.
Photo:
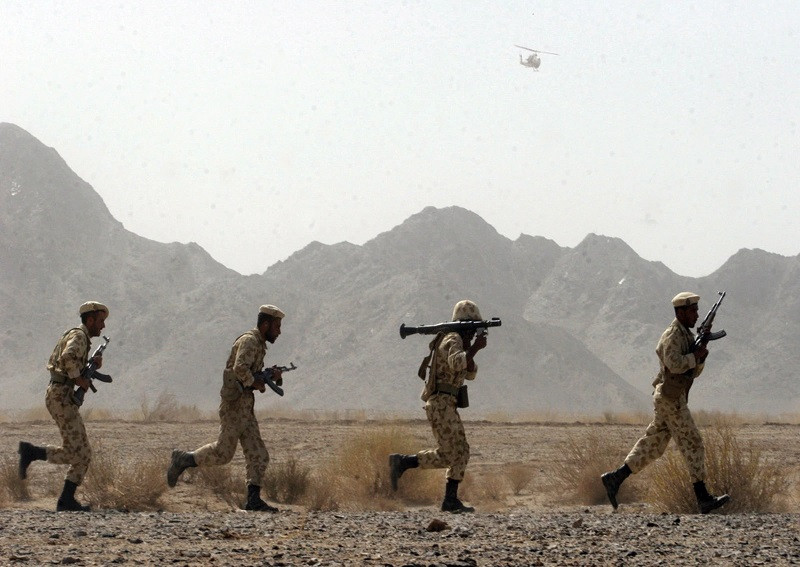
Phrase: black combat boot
(451, 502)
(705, 501)
(254, 502)
(27, 454)
(613, 480)
(181, 460)
(398, 464)
(67, 502)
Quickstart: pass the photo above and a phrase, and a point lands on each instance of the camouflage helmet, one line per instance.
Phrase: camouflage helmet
(466, 310)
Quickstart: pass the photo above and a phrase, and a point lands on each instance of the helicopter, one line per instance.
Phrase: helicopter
(532, 60)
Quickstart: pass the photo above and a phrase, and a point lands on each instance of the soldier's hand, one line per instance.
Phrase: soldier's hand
(480, 342)
(277, 376)
(700, 354)
(98, 361)
(258, 384)
(82, 383)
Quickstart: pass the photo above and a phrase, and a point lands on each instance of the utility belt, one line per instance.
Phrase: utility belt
(56, 378)
(460, 394)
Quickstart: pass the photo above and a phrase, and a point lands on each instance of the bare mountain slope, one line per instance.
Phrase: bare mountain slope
(579, 325)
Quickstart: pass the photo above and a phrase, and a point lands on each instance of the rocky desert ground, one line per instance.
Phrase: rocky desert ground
(531, 525)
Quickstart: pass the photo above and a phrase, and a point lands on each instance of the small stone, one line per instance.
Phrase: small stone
(437, 526)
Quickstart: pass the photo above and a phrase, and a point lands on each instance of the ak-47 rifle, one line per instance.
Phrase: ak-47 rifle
(704, 334)
(90, 373)
(267, 373)
(449, 327)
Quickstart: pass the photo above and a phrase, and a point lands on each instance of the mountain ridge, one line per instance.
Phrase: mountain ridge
(579, 324)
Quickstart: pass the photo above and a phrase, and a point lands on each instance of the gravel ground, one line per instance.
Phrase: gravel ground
(583, 536)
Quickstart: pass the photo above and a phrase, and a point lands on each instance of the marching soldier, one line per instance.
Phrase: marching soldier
(672, 419)
(66, 366)
(452, 363)
(237, 419)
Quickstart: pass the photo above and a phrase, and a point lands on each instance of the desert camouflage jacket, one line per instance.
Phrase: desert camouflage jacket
(71, 353)
(678, 366)
(450, 362)
(247, 356)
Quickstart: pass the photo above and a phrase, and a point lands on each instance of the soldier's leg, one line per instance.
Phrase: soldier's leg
(459, 457)
(690, 444)
(75, 449)
(257, 458)
(655, 439)
(688, 440)
(441, 457)
(647, 449)
(221, 451)
(255, 452)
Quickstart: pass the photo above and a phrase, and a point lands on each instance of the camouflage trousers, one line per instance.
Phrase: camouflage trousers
(237, 424)
(75, 449)
(452, 449)
(672, 420)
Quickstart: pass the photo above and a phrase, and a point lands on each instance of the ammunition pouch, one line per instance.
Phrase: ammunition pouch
(462, 397)
(461, 394)
(232, 388)
(675, 385)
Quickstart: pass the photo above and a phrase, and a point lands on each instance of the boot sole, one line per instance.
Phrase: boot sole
(718, 503)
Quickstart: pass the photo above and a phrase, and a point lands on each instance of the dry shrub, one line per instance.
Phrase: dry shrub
(628, 418)
(124, 484)
(11, 486)
(38, 413)
(357, 477)
(166, 408)
(576, 476)
(222, 481)
(518, 476)
(98, 414)
(489, 487)
(286, 482)
(735, 468)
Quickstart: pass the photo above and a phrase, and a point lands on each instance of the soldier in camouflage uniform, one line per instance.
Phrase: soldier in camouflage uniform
(672, 420)
(237, 419)
(66, 366)
(452, 363)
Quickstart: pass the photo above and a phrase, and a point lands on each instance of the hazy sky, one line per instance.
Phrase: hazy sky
(254, 128)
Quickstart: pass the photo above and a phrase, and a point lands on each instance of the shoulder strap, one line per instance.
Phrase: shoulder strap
(427, 362)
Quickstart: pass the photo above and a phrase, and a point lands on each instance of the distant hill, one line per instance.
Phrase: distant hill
(579, 325)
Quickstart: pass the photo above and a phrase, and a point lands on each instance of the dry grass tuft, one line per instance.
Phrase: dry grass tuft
(518, 476)
(166, 408)
(223, 481)
(98, 414)
(286, 482)
(12, 488)
(115, 483)
(357, 477)
(731, 467)
(38, 413)
(576, 477)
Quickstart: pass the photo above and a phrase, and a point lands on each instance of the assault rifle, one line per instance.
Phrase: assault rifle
(704, 333)
(90, 373)
(450, 327)
(267, 373)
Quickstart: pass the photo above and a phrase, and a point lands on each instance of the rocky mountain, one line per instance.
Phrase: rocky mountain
(579, 325)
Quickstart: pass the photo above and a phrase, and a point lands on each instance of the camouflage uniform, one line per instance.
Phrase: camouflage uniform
(68, 360)
(672, 417)
(237, 418)
(449, 367)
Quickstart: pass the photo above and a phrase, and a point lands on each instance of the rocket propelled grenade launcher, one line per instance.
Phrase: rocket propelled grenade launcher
(704, 333)
(450, 327)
